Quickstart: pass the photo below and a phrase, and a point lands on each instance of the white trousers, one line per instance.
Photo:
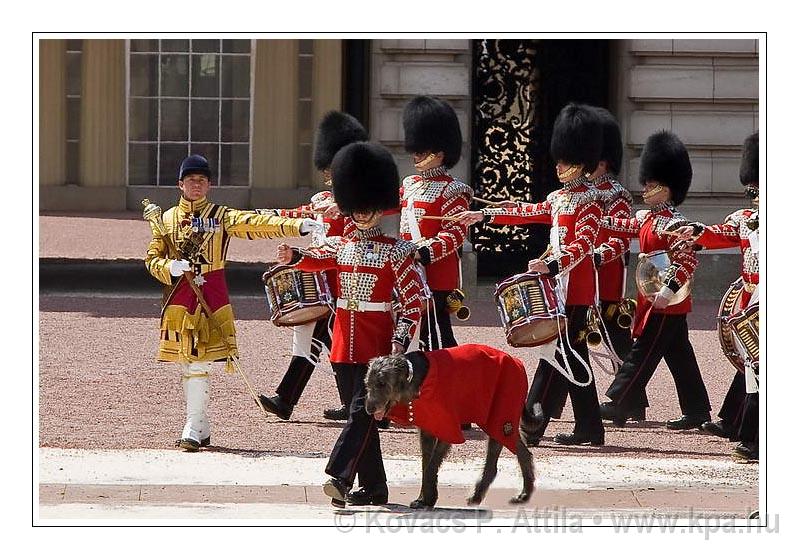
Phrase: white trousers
(194, 377)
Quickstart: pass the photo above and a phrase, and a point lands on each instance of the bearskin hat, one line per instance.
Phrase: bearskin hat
(665, 160)
(748, 171)
(335, 131)
(577, 137)
(430, 124)
(365, 178)
(611, 152)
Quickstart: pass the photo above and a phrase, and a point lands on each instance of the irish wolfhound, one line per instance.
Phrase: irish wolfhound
(495, 381)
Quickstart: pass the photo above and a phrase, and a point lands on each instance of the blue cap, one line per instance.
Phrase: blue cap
(194, 164)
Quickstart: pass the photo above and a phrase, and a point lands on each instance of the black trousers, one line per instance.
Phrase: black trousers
(358, 449)
(445, 327)
(733, 406)
(300, 369)
(748, 429)
(665, 336)
(550, 388)
(622, 343)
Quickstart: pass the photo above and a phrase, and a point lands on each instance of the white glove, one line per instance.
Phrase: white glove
(663, 298)
(311, 226)
(177, 268)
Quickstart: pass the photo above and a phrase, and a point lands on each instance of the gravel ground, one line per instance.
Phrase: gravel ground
(101, 388)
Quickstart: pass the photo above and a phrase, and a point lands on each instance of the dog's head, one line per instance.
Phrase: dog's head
(388, 383)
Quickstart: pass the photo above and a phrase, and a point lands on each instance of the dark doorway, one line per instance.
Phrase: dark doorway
(356, 79)
(519, 86)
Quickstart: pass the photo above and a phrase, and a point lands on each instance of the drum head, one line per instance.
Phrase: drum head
(535, 333)
(302, 316)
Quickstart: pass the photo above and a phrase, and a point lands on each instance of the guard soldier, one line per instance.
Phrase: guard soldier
(433, 137)
(574, 213)
(336, 130)
(192, 247)
(370, 266)
(611, 253)
(660, 327)
(739, 413)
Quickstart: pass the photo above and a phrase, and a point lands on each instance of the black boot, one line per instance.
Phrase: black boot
(688, 421)
(337, 489)
(577, 439)
(620, 415)
(341, 413)
(277, 406)
(720, 429)
(375, 496)
(747, 451)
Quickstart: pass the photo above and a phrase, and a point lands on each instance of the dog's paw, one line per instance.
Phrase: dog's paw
(419, 503)
(474, 500)
(520, 498)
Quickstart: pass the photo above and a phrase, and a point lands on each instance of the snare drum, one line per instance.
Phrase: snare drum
(530, 309)
(736, 323)
(295, 297)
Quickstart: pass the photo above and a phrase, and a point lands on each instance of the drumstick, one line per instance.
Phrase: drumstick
(484, 201)
(442, 218)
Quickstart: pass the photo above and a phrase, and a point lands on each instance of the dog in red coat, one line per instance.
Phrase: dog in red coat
(442, 390)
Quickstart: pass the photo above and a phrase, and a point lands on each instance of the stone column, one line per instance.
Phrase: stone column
(52, 113)
(103, 144)
(274, 141)
(326, 87)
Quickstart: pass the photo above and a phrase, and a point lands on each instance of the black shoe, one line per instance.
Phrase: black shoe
(577, 439)
(747, 451)
(376, 496)
(277, 406)
(687, 422)
(341, 413)
(192, 445)
(337, 490)
(620, 416)
(384, 424)
(720, 429)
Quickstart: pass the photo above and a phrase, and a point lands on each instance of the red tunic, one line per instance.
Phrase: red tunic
(471, 383)
(436, 193)
(369, 266)
(617, 204)
(575, 211)
(648, 225)
(736, 231)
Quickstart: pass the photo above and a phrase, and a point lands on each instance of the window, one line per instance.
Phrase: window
(189, 96)
(74, 51)
(305, 110)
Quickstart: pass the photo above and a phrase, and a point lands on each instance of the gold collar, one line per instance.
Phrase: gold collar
(189, 207)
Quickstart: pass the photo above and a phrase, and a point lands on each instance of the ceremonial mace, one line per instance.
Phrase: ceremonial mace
(152, 213)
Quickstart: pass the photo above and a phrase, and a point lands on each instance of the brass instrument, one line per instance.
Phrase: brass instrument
(455, 304)
(593, 336)
(650, 273)
(625, 312)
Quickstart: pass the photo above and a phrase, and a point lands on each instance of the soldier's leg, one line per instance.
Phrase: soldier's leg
(621, 342)
(443, 320)
(585, 405)
(730, 414)
(197, 430)
(682, 363)
(633, 375)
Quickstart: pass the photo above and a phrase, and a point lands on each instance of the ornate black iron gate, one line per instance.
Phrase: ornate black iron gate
(518, 88)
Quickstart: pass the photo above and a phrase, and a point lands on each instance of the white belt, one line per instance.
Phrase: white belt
(356, 305)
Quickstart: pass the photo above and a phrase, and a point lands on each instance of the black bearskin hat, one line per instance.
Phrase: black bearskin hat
(748, 171)
(365, 178)
(666, 161)
(335, 131)
(430, 124)
(611, 152)
(577, 137)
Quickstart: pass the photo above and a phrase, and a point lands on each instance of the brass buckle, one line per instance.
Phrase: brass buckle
(749, 288)
(352, 305)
